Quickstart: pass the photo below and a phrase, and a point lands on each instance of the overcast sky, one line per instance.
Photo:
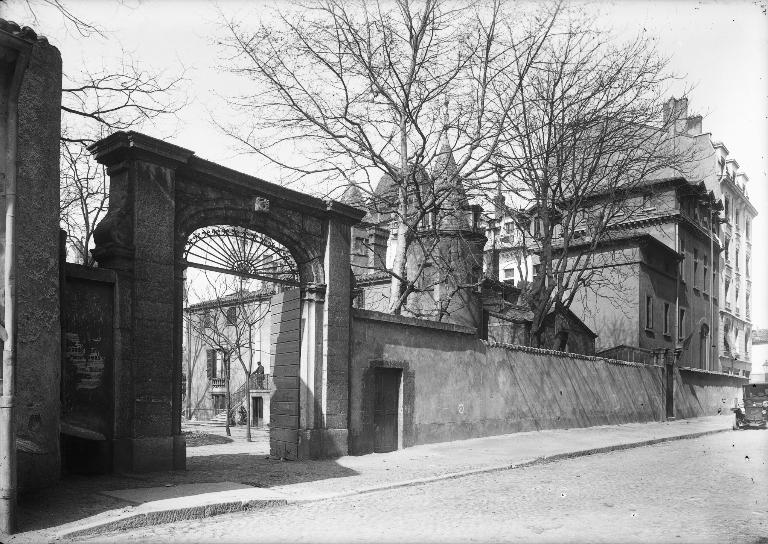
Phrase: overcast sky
(721, 48)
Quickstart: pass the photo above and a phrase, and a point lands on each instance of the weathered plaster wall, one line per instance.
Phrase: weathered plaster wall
(612, 313)
(38, 343)
(456, 386)
(705, 393)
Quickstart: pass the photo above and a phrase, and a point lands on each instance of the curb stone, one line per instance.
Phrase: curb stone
(145, 519)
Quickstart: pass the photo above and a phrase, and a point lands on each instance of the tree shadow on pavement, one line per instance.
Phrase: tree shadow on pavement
(78, 497)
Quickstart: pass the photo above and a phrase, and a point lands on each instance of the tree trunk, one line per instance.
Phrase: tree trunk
(229, 395)
(399, 264)
(248, 407)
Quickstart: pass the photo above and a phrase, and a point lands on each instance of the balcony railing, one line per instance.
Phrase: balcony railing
(217, 383)
(261, 382)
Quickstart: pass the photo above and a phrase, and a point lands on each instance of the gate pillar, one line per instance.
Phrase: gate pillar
(136, 239)
(330, 437)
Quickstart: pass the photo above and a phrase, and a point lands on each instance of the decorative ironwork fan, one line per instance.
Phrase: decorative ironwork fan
(242, 252)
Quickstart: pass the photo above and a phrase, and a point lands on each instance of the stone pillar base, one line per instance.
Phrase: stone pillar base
(323, 443)
(149, 454)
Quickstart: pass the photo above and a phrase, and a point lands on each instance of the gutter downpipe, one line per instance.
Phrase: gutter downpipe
(711, 358)
(8, 476)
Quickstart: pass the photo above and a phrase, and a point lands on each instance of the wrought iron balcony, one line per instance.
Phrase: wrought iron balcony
(217, 383)
(261, 382)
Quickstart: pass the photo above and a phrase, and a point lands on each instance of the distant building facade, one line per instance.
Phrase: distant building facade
(205, 366)
(759, 372)
(720, 173)
(677, 272)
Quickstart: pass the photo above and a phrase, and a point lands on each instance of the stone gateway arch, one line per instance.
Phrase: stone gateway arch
(159, 195)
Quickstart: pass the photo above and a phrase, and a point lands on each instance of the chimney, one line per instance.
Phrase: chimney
(693, 125)
(377, 242)
(741, 180)
(676, 110)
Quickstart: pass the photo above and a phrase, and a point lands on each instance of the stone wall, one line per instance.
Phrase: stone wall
(38, 329)
(455, 386)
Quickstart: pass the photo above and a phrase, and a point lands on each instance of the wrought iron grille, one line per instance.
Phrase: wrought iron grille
(242, 252)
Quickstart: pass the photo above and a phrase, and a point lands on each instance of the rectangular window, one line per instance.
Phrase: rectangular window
(681, 324)
(706, 273)
(666, 318)
(681, 272)
(231, 315)
(210, 359)
(648, 312)
(509, 273)
(508, 226)
(695, 267)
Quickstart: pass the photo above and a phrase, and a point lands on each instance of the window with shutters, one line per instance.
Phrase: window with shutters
(232, 315)
(649, 312)
(210, 367)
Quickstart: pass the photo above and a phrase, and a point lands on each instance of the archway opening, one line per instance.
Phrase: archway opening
(236, 283)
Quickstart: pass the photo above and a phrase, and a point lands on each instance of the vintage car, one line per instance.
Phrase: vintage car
(753, 412)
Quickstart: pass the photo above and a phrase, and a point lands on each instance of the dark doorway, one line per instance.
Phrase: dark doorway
(219, 403)
(669, 375)
(386, 409)
(257, 411)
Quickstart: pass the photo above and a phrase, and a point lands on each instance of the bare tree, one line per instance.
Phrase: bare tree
(251, 311)
(193, 348)
(226, 321)
(357, 92)
(96, 101)
(587, 133)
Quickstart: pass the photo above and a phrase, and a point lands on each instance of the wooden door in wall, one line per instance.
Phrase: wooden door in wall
(386, 408)
(285, 313)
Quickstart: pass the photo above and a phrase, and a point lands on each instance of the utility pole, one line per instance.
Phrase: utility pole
(10, 47)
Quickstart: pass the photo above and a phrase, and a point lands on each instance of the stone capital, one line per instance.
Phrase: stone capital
(313, 292)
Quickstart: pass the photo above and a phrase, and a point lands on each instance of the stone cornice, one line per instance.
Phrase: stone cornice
(122, 145)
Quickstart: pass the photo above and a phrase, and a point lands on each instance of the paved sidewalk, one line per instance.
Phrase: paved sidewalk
(237, 475)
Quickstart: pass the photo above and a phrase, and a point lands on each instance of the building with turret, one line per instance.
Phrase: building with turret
(444, 255)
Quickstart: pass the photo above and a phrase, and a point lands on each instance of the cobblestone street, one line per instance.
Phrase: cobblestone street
(710, 489)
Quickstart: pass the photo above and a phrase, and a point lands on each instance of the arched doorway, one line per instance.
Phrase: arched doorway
(704, 350)
(161, 194)
(242, 320)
